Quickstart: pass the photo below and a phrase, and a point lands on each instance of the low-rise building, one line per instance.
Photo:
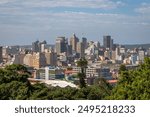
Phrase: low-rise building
(49, 72)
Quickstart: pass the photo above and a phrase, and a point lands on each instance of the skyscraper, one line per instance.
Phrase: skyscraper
(35, 46)
(38, 46)
(80, 49)
(51, 58)
(107, 42)
(61, 45)
(84, 41)
(73, 42)
(42, 46)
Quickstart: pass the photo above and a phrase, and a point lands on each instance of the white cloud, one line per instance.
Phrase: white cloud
(4, 1)
(24, 19)
(7, 1)
(144, 9)
(102, 4)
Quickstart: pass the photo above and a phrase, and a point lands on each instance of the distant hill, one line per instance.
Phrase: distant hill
(146, 46)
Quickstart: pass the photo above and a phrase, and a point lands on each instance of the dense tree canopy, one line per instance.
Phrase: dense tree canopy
(122, 68)
(134, 84)
(14, 83)
(82, 63)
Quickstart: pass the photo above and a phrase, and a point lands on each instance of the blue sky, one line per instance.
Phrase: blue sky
(24, 21)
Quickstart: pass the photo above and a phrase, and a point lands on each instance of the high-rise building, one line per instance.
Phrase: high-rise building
(35, 60)
(107, 42)
(73, 42)
(42, 46)
(51, 58)
(35, 46)
(117, 51)
(61, 45)
(69, 48)
(80, 49)
(1, 54)
(84, 41)
(38, 60)
(38, 46)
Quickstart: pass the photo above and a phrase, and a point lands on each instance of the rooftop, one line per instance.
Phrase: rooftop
(54, 83)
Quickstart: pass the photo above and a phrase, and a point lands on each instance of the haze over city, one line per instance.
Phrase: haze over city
(22, 22)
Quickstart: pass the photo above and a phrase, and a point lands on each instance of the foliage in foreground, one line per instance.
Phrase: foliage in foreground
(14, 85)
(133, 84)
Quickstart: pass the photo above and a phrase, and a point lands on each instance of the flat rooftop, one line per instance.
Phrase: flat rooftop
(54, 83)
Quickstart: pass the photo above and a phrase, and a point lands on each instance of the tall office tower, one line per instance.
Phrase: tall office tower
(84, 41)
(51, 58)
(42, 46)
(80, 49)
(73, 42)
(69, 48)
(35, 46)
(115, 46)
(111, 44)
(61, 45)
(1, 54)
(107, 42)
(117, 51)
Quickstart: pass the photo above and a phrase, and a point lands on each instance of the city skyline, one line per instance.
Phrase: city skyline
(22, 22)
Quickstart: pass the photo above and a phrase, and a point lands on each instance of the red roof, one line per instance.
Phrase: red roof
(69, 72)
(112, 81)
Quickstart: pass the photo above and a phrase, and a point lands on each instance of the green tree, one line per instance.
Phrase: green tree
(104, 86)
(39, 92)
(122, 68)
(14, 82)
(14, 91)
(82, 63)
(134, 84)
(14, 73)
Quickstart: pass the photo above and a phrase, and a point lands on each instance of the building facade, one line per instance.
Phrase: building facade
(107, 42)
(80, 49)
(61, 45)
(73, 42)
(50, 73)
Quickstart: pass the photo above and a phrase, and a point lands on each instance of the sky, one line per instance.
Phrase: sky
(25, 21)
